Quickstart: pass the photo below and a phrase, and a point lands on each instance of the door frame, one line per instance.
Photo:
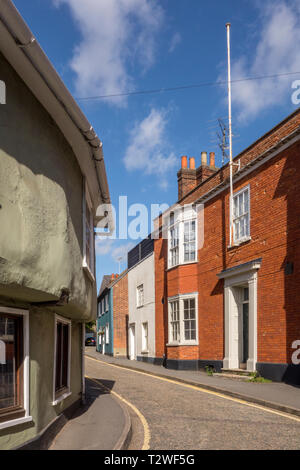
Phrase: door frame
(244, 275)
(132, 341)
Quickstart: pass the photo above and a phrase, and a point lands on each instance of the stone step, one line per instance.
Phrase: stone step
(244, 378)
(236, 372)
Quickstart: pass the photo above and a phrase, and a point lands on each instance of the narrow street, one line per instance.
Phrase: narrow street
(171, 416)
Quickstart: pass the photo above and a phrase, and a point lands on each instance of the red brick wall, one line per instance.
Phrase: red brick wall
(120, 316)
(161, 296)
(275, 237)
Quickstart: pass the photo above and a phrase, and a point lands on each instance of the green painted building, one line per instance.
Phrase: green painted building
(52, 180)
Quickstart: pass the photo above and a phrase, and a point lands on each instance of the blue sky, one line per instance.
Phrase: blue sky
(102, 47)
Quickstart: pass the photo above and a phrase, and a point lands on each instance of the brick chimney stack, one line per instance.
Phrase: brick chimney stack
(207, 168)
(190, 177)
(212, 159)
(186, 177)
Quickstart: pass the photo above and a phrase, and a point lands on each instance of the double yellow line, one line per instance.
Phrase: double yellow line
(147, 434)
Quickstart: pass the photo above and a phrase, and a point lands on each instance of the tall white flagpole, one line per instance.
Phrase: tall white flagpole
(230, 136)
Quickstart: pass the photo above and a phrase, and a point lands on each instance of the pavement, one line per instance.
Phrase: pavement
(103, 423)
(278, 396)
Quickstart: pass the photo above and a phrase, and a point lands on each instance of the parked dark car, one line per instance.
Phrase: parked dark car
(90, 341)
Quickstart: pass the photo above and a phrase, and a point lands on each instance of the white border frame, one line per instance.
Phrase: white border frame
(86, 199)
(68, 392)
(26, 367)
(181, 298)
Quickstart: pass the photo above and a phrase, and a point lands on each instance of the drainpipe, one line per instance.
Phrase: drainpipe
(83, 398)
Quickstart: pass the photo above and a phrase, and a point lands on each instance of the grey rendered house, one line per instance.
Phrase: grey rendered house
(52, 179)
(141, 302)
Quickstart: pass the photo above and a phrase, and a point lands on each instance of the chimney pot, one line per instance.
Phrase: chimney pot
(203, 158)
(192, 163)
(184, 162)
(212, 159)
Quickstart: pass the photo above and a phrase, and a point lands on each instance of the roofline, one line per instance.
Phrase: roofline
(113, 282)
(27, 43)
(237, 157)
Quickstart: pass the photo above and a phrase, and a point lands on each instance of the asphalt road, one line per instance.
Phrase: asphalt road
(179, 417)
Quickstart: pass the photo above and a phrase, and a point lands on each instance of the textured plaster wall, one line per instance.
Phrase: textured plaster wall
(41, 187)
(41, 324)
(143, 273)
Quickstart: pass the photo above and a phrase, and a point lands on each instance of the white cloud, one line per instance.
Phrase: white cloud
(103, 245)
(109, 246)
(115, 34)
(148, 149)
(277, 52)
(121, 251)
(176, 39)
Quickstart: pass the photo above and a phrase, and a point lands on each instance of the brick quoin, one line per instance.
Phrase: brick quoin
(120, 315)
(275, 237)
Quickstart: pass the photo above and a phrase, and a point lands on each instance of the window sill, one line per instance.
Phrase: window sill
(89, 273)
(187, 343)
(239, 243)
(16, 422)
(61, 398)
(181, 264)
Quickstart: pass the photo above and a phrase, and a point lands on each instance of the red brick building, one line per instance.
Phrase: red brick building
(120, 315)
(234, 306)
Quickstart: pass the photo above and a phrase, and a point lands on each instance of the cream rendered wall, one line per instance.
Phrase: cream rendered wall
(41, 244)
(41, 199)
(143, 273)
(41, 351)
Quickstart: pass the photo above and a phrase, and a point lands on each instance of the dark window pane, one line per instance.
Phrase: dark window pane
(10, 361)
(65, 355)
(62, 356)
(58, 355)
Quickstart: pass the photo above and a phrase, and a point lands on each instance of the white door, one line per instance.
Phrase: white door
(103, 344)
(132, 342)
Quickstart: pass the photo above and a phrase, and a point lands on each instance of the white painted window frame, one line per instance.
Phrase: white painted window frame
(26, 367)
(66, 321)
(248, 236)
(145, 337)
(90, 270)
(180, 217)
(140, 296)
(182, 341)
